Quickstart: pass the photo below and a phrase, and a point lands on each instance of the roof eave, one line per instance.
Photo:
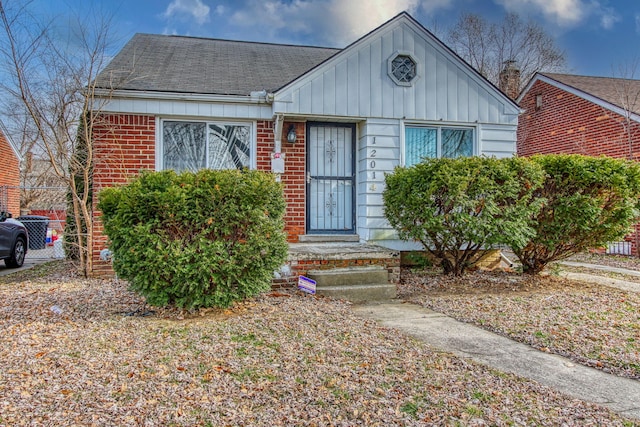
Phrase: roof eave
(107, 94)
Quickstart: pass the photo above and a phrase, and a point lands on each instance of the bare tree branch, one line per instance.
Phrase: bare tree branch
(486, 46)
(51, 83)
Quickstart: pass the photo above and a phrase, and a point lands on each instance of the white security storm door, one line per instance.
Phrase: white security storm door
(330, 178)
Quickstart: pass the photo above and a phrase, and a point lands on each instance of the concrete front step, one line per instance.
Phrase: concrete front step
(356, 284)
(350, 276)
(360, 293)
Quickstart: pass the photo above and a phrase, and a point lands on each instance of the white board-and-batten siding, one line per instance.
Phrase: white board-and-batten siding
(355, 83)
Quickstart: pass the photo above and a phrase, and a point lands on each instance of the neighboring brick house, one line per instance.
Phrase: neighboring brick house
(329, 122)
(587, 115)
(9, 174)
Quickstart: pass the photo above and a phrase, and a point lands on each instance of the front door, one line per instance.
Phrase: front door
(330, 178)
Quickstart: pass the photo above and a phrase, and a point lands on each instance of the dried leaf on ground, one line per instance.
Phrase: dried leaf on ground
(281, 359)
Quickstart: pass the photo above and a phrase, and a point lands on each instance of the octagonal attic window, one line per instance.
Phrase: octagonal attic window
(403, 69)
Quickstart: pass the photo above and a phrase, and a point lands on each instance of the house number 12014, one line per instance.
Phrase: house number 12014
(372, 165)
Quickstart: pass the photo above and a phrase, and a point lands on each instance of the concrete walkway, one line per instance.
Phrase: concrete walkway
(602, 268)
(621, 395)
(28, 263)
(603, 280)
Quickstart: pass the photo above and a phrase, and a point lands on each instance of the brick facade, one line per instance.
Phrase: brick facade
(9, 178)
(561, 122)
(566, 123)
(125, 144)
(294, 174)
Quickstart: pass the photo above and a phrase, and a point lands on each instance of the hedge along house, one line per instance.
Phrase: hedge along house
(9, 174)
(587, 115)
(329, 122)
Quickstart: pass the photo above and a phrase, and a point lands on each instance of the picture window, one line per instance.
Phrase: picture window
(191, 146)
(434, 141)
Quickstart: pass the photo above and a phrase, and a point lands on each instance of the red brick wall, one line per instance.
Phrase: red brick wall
(566, 123)
(124, 145)
(293, 177)
(302, 267)
(10, 176)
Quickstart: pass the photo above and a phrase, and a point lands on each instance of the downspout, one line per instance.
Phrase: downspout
(277, 132)
(277, 157)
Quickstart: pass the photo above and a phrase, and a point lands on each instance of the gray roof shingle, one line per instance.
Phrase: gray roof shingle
(623, 93)
(207, 66)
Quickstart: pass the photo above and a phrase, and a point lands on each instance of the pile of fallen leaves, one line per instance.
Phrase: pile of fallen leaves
(594, 325)
(88, 352)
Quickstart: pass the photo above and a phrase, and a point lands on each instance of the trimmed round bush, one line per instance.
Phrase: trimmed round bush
(196, 240)
(456, 208)
(588, 202)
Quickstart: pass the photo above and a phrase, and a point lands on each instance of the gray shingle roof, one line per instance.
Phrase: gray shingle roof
(207, 66)
(623, 93)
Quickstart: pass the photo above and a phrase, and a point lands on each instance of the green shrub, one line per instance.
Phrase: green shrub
(196, 240)
(457, 207)
(590, 201)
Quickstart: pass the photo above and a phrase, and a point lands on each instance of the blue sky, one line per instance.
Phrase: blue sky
(598, 36)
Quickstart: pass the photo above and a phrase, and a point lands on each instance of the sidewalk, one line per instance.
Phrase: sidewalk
(29, 262)
(601, 280)
(621, 395)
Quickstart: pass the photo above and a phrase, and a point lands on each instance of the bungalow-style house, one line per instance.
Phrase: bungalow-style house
(329, 122)
(587, 115)
(9, 174)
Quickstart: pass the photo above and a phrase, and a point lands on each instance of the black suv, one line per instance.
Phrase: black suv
(13, 241)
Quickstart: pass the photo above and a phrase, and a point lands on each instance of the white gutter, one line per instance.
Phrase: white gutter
(255, 98)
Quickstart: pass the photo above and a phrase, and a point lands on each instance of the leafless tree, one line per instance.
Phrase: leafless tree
(488, 46)
(627, 93)
(51, 77)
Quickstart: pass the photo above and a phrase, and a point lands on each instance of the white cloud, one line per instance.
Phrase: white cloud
(353, 19)
(332, 22)
(170, 31)
(563, 12)
(609, 18)
(188, 8)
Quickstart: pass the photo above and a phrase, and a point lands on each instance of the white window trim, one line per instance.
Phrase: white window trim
(253, 161)
(439, 126)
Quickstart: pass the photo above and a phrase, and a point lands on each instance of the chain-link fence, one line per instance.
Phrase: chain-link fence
(44, 214)
(10, 199)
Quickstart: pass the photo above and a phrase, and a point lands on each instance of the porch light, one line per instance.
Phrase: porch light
(291, 134)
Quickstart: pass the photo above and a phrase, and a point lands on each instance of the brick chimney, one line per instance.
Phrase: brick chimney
(510, 79)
